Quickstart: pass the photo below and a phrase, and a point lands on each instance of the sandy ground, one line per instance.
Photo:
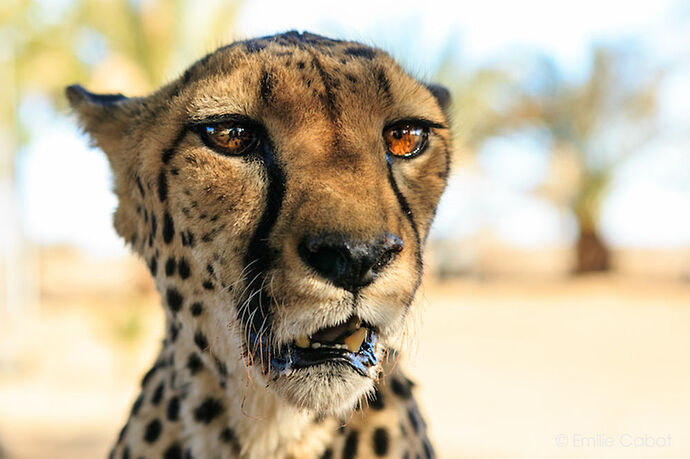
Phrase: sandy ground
(596, 367)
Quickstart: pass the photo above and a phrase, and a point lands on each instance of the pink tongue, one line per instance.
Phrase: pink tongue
(331, 334)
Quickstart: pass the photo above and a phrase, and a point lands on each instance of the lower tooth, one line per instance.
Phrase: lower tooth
(355, 340)
(302, 342)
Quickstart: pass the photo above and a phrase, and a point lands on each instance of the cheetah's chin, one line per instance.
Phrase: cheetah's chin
(351, 344)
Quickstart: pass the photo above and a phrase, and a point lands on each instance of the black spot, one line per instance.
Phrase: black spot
(158, 393)
(227, 435)
(141, 187)
(300, 64)
(350, 449)
(266, 86)
(125, 453)
(412, 415)
(175, 171)
(123, 431)
(376, 400)
(183, 268)
(168, 228)
(401, 389)
(173, 409)
(194, 363)
(174, 299)
(428, 450)
(351, 77)
(208, 410)
(209, 269)
(200, 340)
(136, 407)
(174, 451)
(153, 266)
(170, 267)
(328, 454)
(153, 431)
(187, 238)
(366, 53)
(208, 285)
(380, 441)
(162, 186)
(221, 367)
(174, 330)
(197, 309)
(149, 374)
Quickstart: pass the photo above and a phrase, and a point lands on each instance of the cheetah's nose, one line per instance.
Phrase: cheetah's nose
(348, 263)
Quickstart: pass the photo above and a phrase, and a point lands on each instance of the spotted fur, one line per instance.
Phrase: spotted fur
(220, 235)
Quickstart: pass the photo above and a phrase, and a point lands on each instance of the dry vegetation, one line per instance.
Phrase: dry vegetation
(504, 367)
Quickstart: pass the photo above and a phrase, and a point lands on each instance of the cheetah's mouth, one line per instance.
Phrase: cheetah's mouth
(350, 343)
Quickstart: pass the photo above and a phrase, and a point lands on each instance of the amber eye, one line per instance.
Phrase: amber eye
(405, 140)
(229, 138)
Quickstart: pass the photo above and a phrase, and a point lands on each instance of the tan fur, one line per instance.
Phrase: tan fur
(324, 105)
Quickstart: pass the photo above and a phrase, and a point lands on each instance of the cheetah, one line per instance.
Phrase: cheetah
(280, 191)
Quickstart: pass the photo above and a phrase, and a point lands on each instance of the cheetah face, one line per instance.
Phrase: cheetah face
(287, 184)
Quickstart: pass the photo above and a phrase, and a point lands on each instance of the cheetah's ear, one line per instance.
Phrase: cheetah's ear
(441, 94)
(105, 117)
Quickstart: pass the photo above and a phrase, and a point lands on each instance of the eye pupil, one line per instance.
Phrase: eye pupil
(405, 140)
(229, 138)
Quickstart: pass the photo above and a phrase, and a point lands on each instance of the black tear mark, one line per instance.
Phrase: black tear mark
(259, 253)
(365, 53)
(405, 207)
(168, 153)
(266, 87)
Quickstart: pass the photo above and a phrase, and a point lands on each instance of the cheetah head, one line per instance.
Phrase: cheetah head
(281, 191)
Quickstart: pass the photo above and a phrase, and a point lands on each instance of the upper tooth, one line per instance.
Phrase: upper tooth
(354, 341)
(302, 341)
(354, 325)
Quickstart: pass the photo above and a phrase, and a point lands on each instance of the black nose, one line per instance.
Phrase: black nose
(348, 263)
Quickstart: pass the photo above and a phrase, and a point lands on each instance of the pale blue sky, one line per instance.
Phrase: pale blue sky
(64, 185)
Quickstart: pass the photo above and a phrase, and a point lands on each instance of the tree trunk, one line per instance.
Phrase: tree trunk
(592, 253)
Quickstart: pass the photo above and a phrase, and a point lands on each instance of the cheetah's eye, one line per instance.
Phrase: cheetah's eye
(406, 140)
(228, 138)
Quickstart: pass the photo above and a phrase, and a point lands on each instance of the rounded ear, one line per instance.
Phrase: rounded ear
(105, 117)
(441, 94)
(109, 120)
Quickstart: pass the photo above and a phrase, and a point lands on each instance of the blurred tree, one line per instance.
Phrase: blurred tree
(108, 45)
(595, 122)
(599, 121)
